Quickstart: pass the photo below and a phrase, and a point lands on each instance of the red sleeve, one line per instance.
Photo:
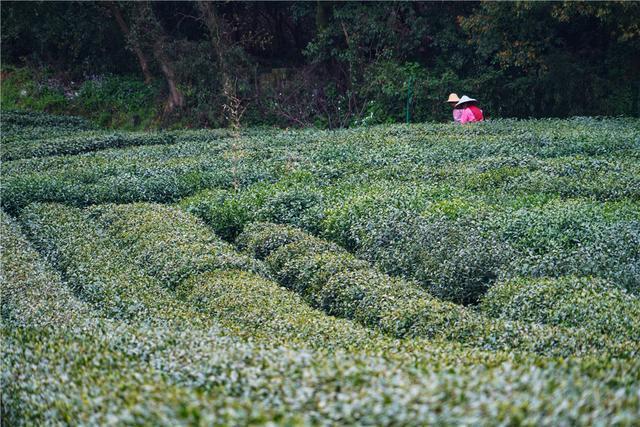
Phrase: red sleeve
(477, 113)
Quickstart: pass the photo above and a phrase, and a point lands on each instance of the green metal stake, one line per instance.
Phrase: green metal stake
(409, 99)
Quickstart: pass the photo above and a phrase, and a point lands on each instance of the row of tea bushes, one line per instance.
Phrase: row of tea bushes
(429, 145)
(169, 243)
(562, 158)
(60, 363)
(333, 280)
(126, 175)
(603, 177)
(58, 141)
(158, 376)
(594, 304)
(79, 143)
(86, 184)
(33, 293)
(455, 245)
(93, 377)
(16, 123)
(65, 373)
(23, 127)
(95, 267)
(262, 310)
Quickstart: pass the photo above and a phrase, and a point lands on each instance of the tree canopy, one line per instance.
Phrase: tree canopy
(341, 63)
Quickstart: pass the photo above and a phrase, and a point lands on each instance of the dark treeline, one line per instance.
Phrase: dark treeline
(334, 64)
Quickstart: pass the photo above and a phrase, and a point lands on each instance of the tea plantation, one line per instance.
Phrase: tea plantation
(426, 274)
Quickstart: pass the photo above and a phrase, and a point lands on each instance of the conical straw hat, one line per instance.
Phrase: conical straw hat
(465, 99)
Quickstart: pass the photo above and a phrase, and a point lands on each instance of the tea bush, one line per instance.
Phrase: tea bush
(33, 293)
(262, 239)
(168, 243)
(96, 268)
(79, 143)
(167, 377)
(221, 210)
(329, 278)
(568, 237)
(120, 311)
(264, 309)
(455, 259)
(594, 304)
(19, 120)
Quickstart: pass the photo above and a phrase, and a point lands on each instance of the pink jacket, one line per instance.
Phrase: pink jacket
(456, 115)
(469, 116)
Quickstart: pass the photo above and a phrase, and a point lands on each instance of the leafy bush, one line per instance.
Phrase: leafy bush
(564, 238)
(569, 301)
(456, 260)
(262, 239)
(95, 266)
(261, 308)
(122, 102)
(167, 376)
(168, 243)
(19, 121)
(306, 266)
(330, 279)
(33, 293)
(221, 210)
(79, 144)
(297, 207)
(119, 176)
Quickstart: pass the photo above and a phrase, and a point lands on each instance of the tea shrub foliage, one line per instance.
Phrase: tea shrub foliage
(329, 278)
(571, 301)
(428, 274)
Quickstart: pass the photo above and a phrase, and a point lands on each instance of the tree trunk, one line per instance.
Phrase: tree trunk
(322, 15)
(175, 96)
(219, 42)
(144, 65)
(216, 34)
(156, 38)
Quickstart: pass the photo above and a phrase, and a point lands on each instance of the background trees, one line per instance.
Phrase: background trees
(326, 63)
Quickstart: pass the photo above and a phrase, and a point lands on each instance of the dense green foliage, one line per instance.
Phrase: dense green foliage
(169, 243)
(27, 277)
(95, 268)
(331, 279)
(405, 275)
(108, 101)
(327, 64)
(159, 372)
(582, 302)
